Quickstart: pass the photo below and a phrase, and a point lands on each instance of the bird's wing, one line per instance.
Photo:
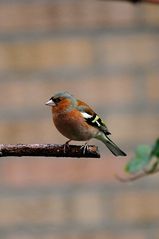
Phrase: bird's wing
(91, 117)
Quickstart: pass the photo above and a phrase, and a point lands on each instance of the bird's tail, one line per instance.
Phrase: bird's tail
(111, 145)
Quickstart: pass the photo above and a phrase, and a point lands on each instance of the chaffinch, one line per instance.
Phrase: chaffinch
(77, 121)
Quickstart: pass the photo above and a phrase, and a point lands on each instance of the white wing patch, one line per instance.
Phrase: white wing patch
(98, 123)
(86, 115)
(94, 120)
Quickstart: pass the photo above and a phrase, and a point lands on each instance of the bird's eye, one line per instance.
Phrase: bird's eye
(56, 100)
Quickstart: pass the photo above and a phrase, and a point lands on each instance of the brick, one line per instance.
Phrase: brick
(114, 235)
(28, 131)
(116, 90)
(87, 208)
(152, 86)
(124, 50)
(136, 207)
(106, 91)
(51, 171)
(46, 54)
(64, 15)
(132, 127)
(155, 234)
(23, 94)
(103, 92)
(106, 234)
(52, 15)
(151, 15)
(34, 236)
(40, 16)
(121, 14)
(35, 210)
(97, 14)
(77, 236)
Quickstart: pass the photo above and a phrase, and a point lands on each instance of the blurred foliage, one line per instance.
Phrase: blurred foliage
(155, 149)
(140, 160)
(144, 162)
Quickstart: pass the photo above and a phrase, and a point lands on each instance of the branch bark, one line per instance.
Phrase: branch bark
(48, 150)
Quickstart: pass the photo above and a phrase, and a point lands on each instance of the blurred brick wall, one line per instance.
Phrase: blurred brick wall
(106, 54)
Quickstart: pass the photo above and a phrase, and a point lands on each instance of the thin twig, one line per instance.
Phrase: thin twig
(131, 178)
(150, 169)
(48, 150)
(136, 176)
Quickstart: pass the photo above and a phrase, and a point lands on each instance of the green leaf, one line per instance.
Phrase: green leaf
(155, 149)
(140, 160)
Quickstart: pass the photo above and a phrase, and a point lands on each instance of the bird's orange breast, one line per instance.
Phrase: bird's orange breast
(73, 126)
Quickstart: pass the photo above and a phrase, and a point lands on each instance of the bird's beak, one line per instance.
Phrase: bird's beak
(50, 103)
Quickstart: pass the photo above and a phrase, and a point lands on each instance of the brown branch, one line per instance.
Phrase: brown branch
(48, 150)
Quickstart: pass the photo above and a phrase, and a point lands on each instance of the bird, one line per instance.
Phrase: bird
(75, 120)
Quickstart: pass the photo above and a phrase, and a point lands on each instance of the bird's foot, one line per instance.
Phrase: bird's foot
(84, 148)
(66, 146)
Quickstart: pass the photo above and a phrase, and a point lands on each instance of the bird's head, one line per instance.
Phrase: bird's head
(61, 99)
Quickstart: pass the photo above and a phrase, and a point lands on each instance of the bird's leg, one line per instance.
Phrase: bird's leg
(84, 147)
(66, 145)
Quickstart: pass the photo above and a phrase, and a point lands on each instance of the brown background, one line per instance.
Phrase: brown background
(106, 54)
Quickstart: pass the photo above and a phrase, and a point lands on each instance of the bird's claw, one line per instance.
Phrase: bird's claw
(66, 146)
(84, 148)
